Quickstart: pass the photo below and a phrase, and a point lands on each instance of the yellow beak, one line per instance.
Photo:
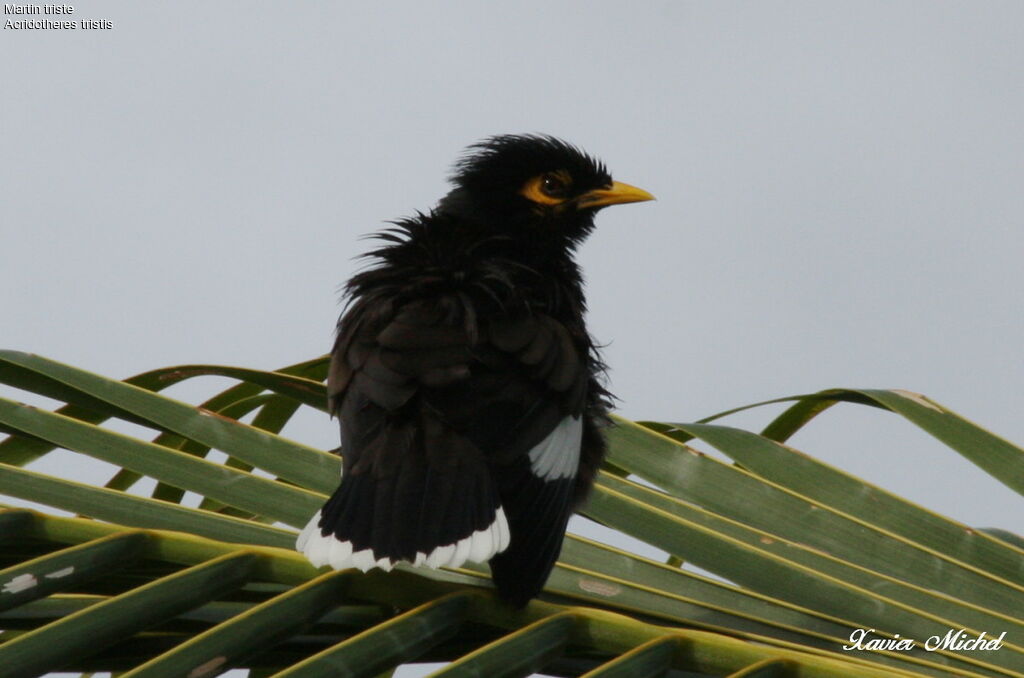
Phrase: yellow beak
(616, 195)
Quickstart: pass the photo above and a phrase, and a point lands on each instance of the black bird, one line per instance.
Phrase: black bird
(467, 387)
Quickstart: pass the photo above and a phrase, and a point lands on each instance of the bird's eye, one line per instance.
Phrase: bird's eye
(553, 185)
(550, 188)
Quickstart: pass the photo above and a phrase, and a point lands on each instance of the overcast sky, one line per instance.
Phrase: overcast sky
(839, 193)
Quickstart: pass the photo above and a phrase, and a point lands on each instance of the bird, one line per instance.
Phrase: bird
(470, 395)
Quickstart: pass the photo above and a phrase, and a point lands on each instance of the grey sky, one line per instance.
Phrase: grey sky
(839, 192)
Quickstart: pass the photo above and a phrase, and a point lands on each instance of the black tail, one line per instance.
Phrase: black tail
(438, 515)
(538, 512)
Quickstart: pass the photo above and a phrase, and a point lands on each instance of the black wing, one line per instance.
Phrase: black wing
(463, 439)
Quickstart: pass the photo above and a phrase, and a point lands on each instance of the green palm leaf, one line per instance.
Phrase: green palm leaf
(145, 585)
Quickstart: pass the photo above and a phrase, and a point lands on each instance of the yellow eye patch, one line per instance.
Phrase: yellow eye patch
(550, 188)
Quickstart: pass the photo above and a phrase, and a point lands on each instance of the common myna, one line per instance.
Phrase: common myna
(467, 387)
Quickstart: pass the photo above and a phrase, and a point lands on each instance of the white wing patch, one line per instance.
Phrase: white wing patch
(558, 455)
(478, 547)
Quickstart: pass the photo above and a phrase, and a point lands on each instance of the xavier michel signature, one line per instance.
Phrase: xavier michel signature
(953, 640)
